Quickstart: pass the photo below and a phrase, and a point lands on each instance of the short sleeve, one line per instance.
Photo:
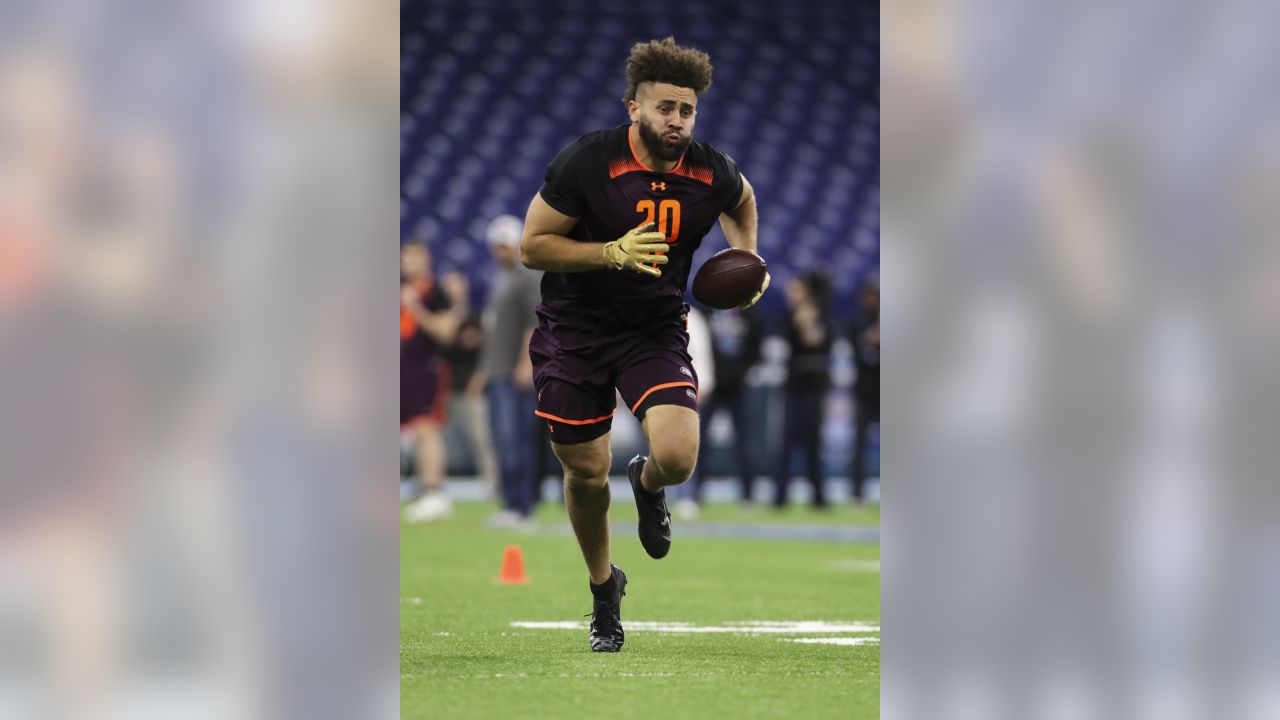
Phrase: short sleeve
(727, 180)
(562, 185)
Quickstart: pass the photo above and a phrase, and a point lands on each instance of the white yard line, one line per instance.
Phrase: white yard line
(836, 640)
(553, 625)
(780, 627)
(807, 626)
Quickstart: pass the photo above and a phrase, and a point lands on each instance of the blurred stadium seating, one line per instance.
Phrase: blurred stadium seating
(493, 89)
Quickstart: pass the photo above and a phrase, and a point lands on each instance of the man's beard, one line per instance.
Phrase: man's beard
(658, 147)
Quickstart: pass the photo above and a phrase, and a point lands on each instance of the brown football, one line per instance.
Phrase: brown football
(729, 278)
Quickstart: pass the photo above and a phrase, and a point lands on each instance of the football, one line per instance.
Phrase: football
(729, 278)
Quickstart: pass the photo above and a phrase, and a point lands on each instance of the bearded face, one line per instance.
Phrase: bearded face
(665, 115)
(663, 141)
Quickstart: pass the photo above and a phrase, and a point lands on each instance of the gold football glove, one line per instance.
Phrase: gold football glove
(638, 250)
(756, 298)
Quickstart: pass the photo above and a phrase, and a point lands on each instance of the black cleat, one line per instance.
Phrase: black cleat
(606, 616)
(655, 519)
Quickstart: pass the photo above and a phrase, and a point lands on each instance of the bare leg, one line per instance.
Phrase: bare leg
(433, 504)
(586, 495)
(672, 431)
(476, 422)
(430, 457)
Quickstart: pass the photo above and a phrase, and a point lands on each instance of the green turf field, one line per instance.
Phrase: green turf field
(461, 657)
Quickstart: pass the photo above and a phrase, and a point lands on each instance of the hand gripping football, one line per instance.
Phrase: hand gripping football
(729, 278)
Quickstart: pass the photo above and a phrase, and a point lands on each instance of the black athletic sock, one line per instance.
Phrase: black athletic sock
(606, 589)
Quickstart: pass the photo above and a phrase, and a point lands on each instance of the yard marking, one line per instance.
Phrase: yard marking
(554, 625)
(836, 641)
(783, 627)
(807, 626)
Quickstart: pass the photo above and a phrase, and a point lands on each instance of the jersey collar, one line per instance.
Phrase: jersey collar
(634, 156)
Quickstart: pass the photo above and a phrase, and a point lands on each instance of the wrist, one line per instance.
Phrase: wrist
(609, 252)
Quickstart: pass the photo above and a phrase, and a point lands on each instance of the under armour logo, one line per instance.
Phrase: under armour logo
(657, 186)
(550, 428)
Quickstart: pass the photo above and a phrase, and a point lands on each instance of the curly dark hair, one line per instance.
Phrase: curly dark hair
(666, 62)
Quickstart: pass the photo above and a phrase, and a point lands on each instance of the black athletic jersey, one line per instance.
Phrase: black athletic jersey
(598, 179)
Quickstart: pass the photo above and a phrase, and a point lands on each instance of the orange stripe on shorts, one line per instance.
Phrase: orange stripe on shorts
(593, 421)
(656, 388)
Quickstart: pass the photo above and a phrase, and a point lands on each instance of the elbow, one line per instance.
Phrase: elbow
(526, 253)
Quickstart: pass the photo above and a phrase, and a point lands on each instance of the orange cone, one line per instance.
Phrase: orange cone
(512, 567)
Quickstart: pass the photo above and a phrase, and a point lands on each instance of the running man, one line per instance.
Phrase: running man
(615, 226)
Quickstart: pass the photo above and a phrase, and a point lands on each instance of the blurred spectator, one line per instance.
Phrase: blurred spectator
(865, 337)
(469, 416)
(509, 320)
(427, 325)
(736, 336)
(700, 350)
(808, 379)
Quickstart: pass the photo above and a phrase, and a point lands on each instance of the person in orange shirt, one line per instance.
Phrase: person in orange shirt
(427, 325)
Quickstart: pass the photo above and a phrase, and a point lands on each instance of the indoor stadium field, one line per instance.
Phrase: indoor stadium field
(754, 614)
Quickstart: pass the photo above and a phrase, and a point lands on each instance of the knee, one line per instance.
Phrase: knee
(675, 464)
(586, 473)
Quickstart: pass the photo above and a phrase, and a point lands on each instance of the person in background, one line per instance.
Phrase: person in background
(736, 337)
(865, 336)
(507, 372)
(427, 325)
(700, 351)
(468, 411)
(808, 379)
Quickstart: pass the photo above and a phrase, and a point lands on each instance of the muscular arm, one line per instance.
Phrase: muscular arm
(544, 245)
(739, 224)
